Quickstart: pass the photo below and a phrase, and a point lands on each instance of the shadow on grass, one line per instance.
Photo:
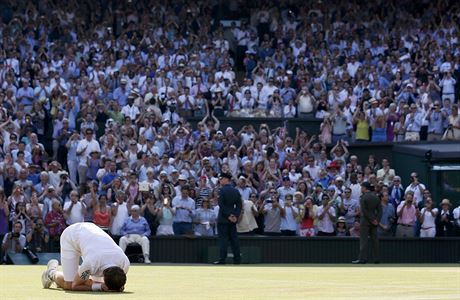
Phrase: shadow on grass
(315, 265)
(90, 293)
(97, 294)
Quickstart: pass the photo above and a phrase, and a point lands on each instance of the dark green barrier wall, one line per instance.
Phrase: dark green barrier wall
(314, 250)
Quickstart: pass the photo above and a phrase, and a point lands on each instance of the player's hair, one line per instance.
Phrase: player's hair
(114, 278)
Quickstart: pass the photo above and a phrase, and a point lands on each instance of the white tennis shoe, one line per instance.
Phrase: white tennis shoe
(46, 275)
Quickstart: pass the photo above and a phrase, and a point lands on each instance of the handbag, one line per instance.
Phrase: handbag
(448, 134)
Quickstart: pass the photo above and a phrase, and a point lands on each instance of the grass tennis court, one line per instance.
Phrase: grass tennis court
(255, 282)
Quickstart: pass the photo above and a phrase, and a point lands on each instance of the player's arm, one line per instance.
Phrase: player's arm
(81, 282)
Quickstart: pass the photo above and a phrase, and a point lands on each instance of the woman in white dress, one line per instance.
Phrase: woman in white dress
(427, 219)
(119, 213)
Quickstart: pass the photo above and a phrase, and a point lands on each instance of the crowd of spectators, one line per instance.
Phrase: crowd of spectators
(95, 98)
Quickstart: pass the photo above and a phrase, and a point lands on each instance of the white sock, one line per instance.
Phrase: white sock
(52, 274)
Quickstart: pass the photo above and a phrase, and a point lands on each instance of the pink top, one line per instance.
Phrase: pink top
(408, 216)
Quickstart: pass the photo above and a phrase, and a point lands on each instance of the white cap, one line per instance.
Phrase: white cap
(148, 97)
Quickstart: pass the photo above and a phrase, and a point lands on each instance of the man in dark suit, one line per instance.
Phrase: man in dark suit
(371, 213)
(229, 211)
(396, 192)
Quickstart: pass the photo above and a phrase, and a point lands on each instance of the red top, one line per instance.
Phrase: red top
(101, 219)
(307, 223)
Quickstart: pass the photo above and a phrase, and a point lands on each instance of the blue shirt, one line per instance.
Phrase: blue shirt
(436, 122)
(413, 124)
(388, 212)
(72, 151)
(108, 178)
(139, 226)
(184, 209)
(121, 96)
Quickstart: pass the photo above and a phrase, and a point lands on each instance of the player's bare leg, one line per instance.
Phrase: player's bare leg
(51, 274)
(60, 282)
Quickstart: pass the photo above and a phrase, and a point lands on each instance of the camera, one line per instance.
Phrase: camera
(30, 254)
(15, 235)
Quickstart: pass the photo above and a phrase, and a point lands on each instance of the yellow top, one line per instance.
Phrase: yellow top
(362, 130)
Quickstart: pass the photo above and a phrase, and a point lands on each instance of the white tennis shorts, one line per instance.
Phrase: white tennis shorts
(70, 255)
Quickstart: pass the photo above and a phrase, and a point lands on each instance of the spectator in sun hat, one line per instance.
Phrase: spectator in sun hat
(341, 227)
(182, 181)
(204, 219)
(244, 188)
(445, 219)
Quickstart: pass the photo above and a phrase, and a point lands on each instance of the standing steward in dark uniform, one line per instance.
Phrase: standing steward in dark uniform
(229, 212)
(371, 213)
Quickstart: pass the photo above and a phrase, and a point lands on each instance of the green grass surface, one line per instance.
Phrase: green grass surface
(255, 282)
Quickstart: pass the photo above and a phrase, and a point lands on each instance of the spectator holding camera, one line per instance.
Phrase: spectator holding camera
(55, 221)
(436, 119)
(413, 124)
(165, 218)
(453, 128)
(307, 218)
(13, 241)
(416, 187)
(427, 219)
(273, 213)
(288, 219)
(20, 215)
(184, 207)
(348, 207)
(38, 236)
(150, 211)
(247, 223)
(47, 198)
(65, 185)
(407, 212)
